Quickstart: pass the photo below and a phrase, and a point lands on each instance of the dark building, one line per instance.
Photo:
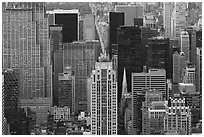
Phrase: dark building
(192, 44)
(138, 22)
(70, 21)
(10, 94)
(199, 38)
(130, 54)
(116, 19)
(159, 55)
(58, 68)
(147, 32)
(66, 92)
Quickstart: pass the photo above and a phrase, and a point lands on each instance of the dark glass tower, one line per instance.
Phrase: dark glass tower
(159, 55)
(116, 19)
(130, 54)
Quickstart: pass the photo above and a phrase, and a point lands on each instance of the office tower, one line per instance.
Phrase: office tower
(88, 27)
(66, 91)
(176, 67)
(154, 79)
(159, 54)
(192, 45)
(61, 113)
(81, 56)
(138, 21)
(55, 45)
(180, 17)
(167, 11)
(103, 99)
(116, 19)
(130, 12)
(189, 74)
(185, 44)
(178, 117)
(174, 43)
(10, 95)
(150, 21)
(81, 28)
(58, 68)
(130, 55)
(199, 70)
(70, 21)
(150, 96)
(26, 47)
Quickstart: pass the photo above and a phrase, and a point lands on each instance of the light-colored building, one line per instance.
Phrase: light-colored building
(167, 12)
(178, 117)
(185, 45)
(61, 113)
(26, 47)
(66, 91)
(189, 74)
(154, 79)
(131, 12)
(150, 21)
(88, 27)
(180, 17)
(103, 99)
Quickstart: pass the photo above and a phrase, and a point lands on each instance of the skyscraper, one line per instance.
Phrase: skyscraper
(104, 99)
(167, 11)
(88, 27)
(81, 56)
(189, 74)
(130, 12)
(26, 48)
(185, 47)
(130, 54)
(159, 54)
(180, 17)
(70, 21)
(116, 19)
(66, 92)
(178, 117)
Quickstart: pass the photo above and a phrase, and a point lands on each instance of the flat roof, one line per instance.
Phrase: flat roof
(62, 11)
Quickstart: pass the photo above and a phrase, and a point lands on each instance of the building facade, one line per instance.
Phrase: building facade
(66, 91)
(61, 113)
(103, 100)
(116, 19)
(178, 117)
(81, 56)
(185, 47)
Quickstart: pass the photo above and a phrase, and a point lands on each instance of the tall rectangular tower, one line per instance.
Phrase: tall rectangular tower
(130, 54)
(26, 47)
(66, 92)
(116, 19)
(104, 100)
(81, 56)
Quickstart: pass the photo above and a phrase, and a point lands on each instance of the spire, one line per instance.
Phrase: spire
(124, 84)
